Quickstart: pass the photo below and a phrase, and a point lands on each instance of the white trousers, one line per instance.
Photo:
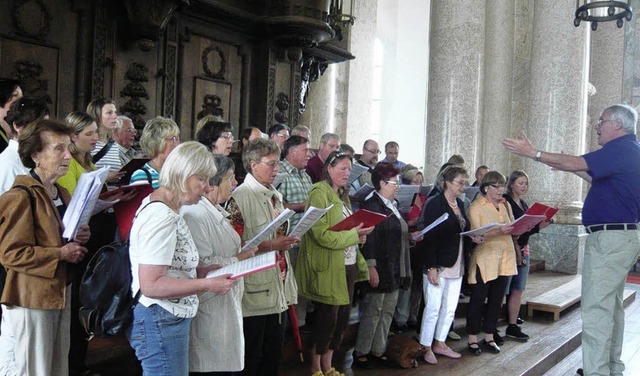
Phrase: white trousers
(40, 340)
(440, 307)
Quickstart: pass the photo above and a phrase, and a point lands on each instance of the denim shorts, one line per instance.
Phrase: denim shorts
(160, 340)
(519, 282)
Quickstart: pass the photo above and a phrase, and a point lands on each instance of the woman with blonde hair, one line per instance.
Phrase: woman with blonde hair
(165, 264)
(159, 137)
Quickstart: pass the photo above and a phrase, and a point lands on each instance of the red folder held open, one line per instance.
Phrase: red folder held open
(541, 209)
(367, 217)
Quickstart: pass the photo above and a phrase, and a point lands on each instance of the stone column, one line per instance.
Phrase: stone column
(498, 83)
(557, 123)
(456, 68)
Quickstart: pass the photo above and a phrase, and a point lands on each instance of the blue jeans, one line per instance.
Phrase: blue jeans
(160, 340)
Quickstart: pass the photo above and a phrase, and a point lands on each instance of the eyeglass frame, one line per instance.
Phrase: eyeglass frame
(373, 151)
(227, 135)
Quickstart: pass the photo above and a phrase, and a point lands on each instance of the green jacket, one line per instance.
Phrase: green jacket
(320, 269)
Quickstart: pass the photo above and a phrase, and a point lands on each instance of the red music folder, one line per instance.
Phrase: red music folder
(525, 223)
(541, 209)
(126, 210)
(367, 217)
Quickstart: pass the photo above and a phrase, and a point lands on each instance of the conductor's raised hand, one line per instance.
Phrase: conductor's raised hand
(520, 146)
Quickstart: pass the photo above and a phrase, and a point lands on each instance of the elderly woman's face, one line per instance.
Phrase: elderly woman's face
(494, 192)
(457, 185)
(109, 114)
(266, 169)
(195, 185)
(53, 161)
(223, 144)
(222, 193)
(339, 173)
(389, 188)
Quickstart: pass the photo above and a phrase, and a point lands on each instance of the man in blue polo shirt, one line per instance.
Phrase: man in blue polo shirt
(610, 214)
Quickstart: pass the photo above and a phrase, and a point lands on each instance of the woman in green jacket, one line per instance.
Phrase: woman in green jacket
(330, 263)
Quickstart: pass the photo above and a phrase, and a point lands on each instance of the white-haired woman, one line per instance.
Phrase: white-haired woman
(164, 264)
(214, 347)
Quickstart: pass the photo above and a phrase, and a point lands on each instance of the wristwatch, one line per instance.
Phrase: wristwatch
(538, 156)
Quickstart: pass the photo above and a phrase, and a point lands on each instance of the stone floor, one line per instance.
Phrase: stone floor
(560, 338)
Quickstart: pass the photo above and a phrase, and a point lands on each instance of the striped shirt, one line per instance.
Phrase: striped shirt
(140, 175)
(111, 159)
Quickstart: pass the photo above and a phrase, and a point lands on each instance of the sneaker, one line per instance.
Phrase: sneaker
(514, 331)
(497, 338)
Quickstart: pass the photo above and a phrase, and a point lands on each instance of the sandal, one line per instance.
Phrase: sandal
(474, 348)
(491, 346)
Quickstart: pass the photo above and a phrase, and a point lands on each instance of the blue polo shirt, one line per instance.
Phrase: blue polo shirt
(614, 196)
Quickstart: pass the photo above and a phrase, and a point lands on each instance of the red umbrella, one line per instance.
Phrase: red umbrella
(295, 329)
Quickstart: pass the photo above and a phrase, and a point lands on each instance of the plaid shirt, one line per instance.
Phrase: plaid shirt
(295, 187)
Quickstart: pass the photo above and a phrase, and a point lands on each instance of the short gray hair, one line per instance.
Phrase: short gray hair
(121, 119)
(223, 164)
(257, 149)
(626, 114)
(187, 159)
(155, 132)
(328, 136)
(300, 129)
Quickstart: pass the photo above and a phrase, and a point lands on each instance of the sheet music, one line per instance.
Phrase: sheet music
(483, 230)
(405, 197)
(248, 266)
(470, 193)
(269, 229)
(433, 224)
(356, 171)
(363, 193)
(84, 198)
(102, 205)
(310, 217)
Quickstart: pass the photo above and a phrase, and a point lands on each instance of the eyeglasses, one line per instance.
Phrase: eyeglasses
(285, 136)
(392, 182)
(173, 139)
(376, 151)
(497, 186)
(461, 182)
(130, 130)
(227, 135)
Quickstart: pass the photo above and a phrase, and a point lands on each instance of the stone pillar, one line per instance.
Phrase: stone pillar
(497, 90)
(557, 123)
(456, 66)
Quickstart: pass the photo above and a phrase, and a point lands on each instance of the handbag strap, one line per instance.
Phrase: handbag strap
(105, 149)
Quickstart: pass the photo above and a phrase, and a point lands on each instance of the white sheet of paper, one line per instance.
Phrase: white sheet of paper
(102, 205)
(433, 224)
(405, 196)
(356, 171)
(84, 198)
(310, 217)
(363, 193)
(269, 229)
(248, 266)
(482, 230)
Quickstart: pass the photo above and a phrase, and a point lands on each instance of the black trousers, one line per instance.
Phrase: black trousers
(493, 292)
(263, 343)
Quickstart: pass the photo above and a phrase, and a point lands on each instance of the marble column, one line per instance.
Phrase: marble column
(456, 66)
(557, 123)
(497, 90)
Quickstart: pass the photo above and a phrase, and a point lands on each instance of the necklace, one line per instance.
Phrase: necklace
(453, 204)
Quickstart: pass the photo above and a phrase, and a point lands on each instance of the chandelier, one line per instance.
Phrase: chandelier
(600, 11)
(340, 16)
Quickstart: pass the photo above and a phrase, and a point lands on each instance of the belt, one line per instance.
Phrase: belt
(613, 226)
